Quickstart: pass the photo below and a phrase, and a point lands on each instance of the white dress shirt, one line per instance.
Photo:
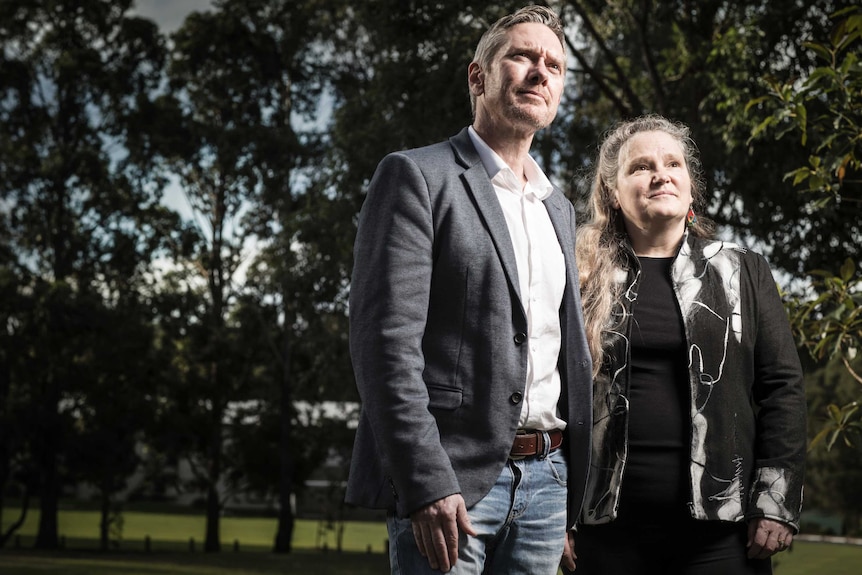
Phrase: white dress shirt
(541, 279)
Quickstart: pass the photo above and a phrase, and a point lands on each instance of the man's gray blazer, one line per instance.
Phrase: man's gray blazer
(438, 335)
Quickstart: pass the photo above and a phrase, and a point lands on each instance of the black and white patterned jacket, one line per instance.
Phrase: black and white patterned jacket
(748, 411)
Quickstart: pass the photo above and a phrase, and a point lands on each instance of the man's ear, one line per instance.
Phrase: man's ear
(476, 79)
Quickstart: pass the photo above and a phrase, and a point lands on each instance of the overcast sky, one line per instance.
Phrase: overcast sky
(169, 14)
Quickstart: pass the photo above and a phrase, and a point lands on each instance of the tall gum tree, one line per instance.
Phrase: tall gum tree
(244, 76)
(76, 74)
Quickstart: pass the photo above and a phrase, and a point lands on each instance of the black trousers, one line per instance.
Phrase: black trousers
(683, 547)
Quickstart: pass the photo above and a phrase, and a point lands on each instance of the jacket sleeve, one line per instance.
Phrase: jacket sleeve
(389, 297)
(779, 393)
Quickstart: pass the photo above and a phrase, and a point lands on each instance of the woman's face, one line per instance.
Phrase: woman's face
(653, 184)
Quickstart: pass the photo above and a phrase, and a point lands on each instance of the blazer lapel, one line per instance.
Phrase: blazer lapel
(561, 225)
(479, 187)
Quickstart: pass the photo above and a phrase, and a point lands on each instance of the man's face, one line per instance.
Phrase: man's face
(525, 80)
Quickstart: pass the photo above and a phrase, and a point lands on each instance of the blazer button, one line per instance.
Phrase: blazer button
(516, 398)
(520, 338)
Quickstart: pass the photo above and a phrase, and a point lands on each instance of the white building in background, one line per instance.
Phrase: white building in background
(323, 490)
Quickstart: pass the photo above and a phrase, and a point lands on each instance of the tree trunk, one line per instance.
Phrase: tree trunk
(10, 531)
(47, 536)
(212, 541)
(5, 444)
(286, 519)
(105, 522)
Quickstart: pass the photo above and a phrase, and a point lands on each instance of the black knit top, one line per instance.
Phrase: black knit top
(654, 483)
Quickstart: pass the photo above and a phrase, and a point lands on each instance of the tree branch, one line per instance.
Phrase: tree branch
(635, 104)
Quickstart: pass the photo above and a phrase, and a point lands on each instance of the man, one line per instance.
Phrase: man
(466, 332)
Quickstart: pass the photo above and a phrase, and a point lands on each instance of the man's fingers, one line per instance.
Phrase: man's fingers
(449, 548)
(435, 528)
(420, 538)
(435, 543)
(463, 520)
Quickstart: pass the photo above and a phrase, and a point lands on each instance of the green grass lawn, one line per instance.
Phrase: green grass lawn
(806, 558)
(176, 532)
(183, 563)
(363, 549)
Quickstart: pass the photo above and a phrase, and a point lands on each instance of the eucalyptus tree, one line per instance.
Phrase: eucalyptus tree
(248, 78)
(76, 81)
(213, 162)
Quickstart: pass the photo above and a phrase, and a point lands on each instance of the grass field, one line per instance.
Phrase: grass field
(363, 549)
(180, 532)
(182, 563)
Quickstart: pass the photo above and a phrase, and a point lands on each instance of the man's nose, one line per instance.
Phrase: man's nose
(539, 74)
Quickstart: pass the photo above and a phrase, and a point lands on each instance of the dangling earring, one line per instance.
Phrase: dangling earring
(691, 218)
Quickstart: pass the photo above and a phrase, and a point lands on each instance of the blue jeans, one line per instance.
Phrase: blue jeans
(521, 525)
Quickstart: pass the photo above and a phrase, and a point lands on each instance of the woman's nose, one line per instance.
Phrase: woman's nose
(661, 176)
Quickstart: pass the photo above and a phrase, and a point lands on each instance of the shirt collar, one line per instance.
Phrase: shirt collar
(493, 163)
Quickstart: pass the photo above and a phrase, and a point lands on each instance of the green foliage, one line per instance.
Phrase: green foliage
(829, 326)
(825, 111)
(833, 472)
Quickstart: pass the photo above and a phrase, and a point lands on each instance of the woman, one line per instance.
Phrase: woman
(699, 407)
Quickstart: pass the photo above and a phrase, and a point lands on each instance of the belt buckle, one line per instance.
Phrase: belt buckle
(520, 457)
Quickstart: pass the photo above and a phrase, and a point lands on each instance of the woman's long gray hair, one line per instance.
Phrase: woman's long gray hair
(600, 253)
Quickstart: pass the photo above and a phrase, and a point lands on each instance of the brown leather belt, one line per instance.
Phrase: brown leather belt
(531, 443)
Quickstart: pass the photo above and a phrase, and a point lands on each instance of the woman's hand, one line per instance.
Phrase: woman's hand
(767, 537)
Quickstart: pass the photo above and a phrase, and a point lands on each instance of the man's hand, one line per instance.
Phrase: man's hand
(767, 537)
(435, 528)
(569, 556)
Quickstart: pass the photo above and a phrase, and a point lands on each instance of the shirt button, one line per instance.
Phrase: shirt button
(520, 338)
(516, 398)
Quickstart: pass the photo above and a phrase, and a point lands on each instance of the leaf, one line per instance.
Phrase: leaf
(819, 438)
(799, 175)
(820, 50)
(848, 269)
